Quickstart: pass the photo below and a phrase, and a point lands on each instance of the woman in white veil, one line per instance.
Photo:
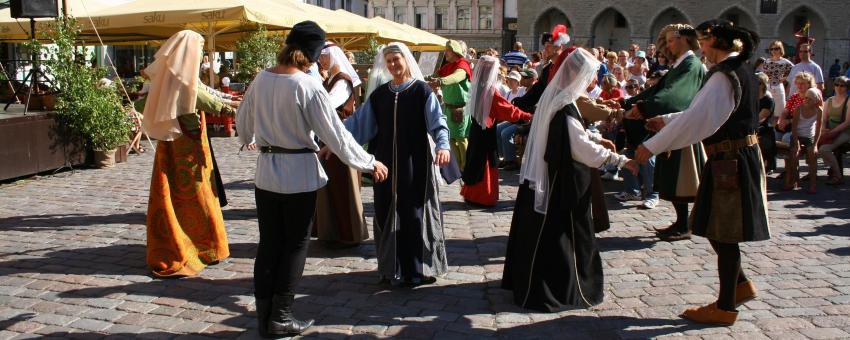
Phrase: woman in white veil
(486, 105)
(552, 262)
(398, 119)
(381, 75)
(339, 220)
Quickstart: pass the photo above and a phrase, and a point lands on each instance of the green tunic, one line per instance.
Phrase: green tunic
(676, 173)
(455, 93)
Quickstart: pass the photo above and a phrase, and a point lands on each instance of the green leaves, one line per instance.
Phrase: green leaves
(256, 52)
(94, 114)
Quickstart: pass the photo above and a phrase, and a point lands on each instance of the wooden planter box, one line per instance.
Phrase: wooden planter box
(32, 143)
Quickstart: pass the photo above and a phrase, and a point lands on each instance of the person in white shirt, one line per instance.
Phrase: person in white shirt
(284, 110)
(731, 203)
(807, 65)
(513, 79)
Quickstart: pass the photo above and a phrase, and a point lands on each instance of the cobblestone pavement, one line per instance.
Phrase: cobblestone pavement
(72, 264)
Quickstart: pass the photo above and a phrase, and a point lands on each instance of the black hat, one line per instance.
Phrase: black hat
(546, 37)
(308, 37)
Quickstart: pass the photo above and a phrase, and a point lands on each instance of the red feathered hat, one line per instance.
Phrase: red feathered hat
(559, 35)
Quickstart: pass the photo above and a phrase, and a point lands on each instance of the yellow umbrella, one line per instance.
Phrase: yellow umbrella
(146, 20)
(12, 29)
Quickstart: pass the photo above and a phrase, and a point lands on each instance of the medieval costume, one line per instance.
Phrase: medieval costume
(552, 261)
(283, 113)
(731, 203)
(339, 209)
(454, 78)
(486, 105)
(677, 172)
(185, 227)
(397, 120)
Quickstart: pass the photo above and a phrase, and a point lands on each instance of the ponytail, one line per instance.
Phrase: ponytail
(749, 39)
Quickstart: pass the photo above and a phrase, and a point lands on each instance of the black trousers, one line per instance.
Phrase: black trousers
(285, 221)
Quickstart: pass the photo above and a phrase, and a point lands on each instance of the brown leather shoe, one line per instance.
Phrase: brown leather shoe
(675, 236)
(710, 314)
(745, 292)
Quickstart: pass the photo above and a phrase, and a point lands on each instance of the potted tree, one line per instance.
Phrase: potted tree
(256, 52)
(92, 113)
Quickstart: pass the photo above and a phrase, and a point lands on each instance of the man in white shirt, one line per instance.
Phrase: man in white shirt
(806, 65)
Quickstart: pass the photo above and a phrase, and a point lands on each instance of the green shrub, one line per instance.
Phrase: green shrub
(91, 113)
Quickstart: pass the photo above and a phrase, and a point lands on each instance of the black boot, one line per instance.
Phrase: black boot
(264, 307)
(281, 321)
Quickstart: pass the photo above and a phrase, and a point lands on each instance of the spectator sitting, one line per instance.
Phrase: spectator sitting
(805, 132)
(610, 88)
(529, 77)
(836, 132)
(803, 81)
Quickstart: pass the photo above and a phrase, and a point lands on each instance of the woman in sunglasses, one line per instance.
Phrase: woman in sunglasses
(777, 69)
(836, 131)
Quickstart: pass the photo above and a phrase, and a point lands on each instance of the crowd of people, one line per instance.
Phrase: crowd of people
(691, 119)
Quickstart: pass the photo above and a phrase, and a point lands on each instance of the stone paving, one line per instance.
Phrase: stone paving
(72, 265)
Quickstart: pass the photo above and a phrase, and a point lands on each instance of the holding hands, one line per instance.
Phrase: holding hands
(655, 124)
(380, 173)
(633, 167)
(642, 154)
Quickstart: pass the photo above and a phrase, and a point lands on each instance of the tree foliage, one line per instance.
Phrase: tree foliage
(92, 113)
(256, 52)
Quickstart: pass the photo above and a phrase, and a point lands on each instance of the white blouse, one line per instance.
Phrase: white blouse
(289, 111)
(712, 106)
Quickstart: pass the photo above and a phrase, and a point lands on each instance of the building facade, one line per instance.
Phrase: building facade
(480, 23)
(615, 24)
(354, 6)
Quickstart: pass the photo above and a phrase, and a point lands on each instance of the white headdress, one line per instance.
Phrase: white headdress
(174, 84)
(380, 74)
(485, 80)
(570, 82)
(338, 58)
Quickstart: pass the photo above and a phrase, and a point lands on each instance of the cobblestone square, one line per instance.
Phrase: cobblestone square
(72, 265)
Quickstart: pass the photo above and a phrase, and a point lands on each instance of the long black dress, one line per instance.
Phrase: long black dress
(552, 262)
(408, 220)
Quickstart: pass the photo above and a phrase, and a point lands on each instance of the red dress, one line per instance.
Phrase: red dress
(486, 190)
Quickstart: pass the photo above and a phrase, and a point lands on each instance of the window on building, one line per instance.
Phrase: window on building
(620, 21)
(320, 3)
(379, 12)
(399, 14)
(769, 6)
(420, 16)
(441, 17)
(485, 17)
(463, 16)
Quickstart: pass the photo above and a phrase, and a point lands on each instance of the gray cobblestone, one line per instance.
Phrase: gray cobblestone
(78, 265)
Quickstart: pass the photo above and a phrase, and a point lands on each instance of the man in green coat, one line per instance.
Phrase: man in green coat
(676, 177)
(453, 78)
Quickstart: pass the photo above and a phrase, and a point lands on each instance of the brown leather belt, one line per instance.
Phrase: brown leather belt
(731, 145)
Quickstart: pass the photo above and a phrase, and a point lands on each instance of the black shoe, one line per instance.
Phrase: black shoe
(676, 236)
(281, 321)
(666, 231)
(264, 307)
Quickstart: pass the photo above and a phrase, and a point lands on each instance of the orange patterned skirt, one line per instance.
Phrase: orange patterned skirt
(185, 227)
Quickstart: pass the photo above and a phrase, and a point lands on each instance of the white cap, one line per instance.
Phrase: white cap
(514, 75)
